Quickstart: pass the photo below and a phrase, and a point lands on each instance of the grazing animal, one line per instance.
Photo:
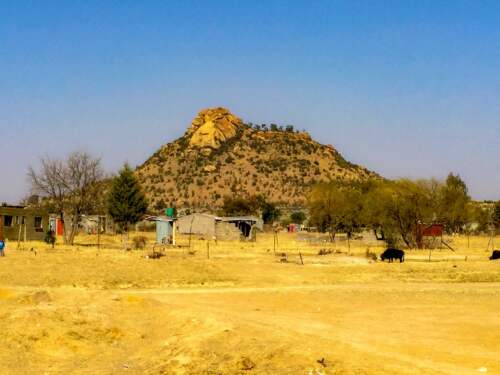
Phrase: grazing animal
(495, 255)
(391, 254)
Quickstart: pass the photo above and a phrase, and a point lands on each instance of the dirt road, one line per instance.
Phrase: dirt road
(383, 328)
(89, 311)
(386, 328)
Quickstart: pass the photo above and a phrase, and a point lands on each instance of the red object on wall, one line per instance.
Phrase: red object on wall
(59, 227)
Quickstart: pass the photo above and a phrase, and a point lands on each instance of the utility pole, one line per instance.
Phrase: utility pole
(99, 232)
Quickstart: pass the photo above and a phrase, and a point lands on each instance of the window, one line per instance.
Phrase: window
(38, 224)
(7, 221)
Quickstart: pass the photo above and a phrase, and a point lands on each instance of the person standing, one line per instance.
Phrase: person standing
(2, 241)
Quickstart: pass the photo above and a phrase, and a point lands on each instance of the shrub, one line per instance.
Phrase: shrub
(370, 255)
(50, 237)
(324, 252)
(155, 254)
(139, 242)
(298, 217)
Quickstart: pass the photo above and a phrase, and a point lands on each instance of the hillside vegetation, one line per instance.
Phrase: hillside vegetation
(220, 155)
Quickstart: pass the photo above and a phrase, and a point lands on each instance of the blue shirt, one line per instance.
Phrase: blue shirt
(2, 245)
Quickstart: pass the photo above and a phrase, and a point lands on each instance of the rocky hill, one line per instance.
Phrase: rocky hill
(220, 155)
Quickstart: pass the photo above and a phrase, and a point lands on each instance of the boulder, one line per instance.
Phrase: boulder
(211, 128)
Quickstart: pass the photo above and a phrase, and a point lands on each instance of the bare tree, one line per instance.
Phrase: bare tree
(70, 186)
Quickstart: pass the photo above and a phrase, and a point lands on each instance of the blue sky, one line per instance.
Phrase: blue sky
(406, 88)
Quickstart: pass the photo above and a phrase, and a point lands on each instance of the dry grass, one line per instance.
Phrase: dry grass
(238, 309)
(207, 263)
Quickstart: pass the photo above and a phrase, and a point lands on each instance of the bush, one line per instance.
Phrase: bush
(370, 255)
(324, 252)
(139, 242)
(298, 217)
(155, 254)
(50, 237)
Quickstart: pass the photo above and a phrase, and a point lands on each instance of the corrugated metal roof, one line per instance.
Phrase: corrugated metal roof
(199, 214)
(224, 218)
(159, 218)
(237, 218)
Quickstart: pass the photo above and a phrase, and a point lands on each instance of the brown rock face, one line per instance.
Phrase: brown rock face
(211, 128)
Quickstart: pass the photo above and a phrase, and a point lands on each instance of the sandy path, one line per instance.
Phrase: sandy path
(490, 288)
(393, 328)
(376, 328)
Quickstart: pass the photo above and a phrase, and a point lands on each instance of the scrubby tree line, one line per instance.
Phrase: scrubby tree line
(273, 127)
(395, 209)
(77, 185)
(496, 215)
(254, 205)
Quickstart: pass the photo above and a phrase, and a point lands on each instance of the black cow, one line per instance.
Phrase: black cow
(495, 255)
(391, 254)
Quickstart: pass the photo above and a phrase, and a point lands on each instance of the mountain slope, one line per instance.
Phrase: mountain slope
(220, 155)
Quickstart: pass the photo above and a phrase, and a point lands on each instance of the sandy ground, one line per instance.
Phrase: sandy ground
(81, 310)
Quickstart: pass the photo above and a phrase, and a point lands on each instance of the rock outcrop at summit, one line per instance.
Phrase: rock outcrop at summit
(211, 128)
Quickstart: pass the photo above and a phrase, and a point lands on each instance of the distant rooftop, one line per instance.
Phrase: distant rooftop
(11, 206)
(237, 218)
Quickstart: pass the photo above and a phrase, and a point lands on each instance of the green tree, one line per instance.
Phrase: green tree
(397, 208)
(251, 206)
(239, 206)
(160, 205)
(453, 203)
(126, 201)
(479, 218)
(496, 215)
(270, 213)
(336, 208)
(298, 217)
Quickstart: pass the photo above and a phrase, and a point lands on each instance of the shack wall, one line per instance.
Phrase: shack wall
(25, 224)
(200, 224)
(164, 232)
(226, 231)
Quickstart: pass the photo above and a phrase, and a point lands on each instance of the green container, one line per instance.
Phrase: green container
(169, 212)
